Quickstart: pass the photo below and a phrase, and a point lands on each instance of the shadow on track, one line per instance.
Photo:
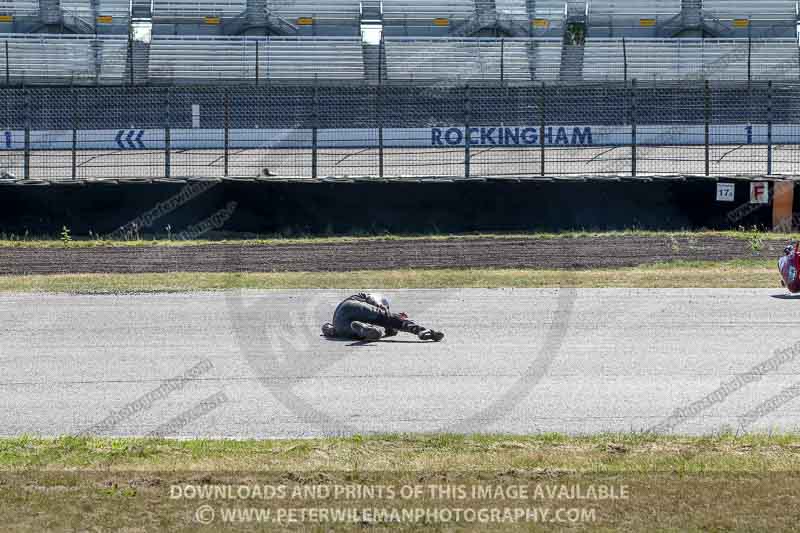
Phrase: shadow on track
(369, 343)
(786, 296)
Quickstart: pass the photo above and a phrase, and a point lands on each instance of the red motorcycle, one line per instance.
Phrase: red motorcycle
(789, 266)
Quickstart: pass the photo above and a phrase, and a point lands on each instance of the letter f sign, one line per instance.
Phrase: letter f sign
(759, 192)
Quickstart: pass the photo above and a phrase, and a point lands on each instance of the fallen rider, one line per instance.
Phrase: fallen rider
(367, 317)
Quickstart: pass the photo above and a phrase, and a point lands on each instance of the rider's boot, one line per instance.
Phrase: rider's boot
(421, 332)
(367, 332)
(431, 335)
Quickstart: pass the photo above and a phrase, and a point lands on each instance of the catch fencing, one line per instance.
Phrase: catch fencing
(359, 130)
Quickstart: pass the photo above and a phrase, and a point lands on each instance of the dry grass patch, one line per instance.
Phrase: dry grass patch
(742, 274)
(723, 483)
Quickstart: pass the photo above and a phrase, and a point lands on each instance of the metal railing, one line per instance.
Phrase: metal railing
(182, 9)
(35, 59)
(210, 59)
(359, 131)
(676, 59)
(20, 8)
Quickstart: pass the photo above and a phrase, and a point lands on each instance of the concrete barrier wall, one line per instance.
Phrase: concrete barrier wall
(375, 207)
(437, 137)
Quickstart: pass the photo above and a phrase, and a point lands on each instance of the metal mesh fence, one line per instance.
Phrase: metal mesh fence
(317, 131)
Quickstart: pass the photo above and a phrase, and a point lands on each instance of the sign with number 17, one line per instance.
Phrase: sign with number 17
(726, 192)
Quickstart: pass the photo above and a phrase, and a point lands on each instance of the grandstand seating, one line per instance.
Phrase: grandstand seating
(298, 17)
(544, 56)
(752, 9)
(321, 12)
(194, 9)
(471, 59)
(425, 17)
(743, 18)
(621, 9)
(609, 18)
(548, 17)
(318, 11)
(19, 7)
(109, 17)
(514, 9)
(192, 17)
(64, 59)
(117, 9)
(221, 59)
(197, 41)
(577, 9)
(675, 59)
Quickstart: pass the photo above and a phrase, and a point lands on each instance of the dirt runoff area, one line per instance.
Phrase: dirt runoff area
(383, 254)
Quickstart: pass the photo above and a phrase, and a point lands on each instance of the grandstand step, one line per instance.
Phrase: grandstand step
(374, 63)
(572, 62)
(138, 66)
(576, 11)
(256, 11)
(140, 9)
(471, 25)
(77, 24)
(485, 6)
(495, 17)
(258, 14)
(97, 51)
(543, 59)
(371, 11)
(50, 11)
(91, 19)
(692, 12)
(77, 17)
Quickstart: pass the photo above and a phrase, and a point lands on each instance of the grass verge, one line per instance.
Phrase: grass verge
(742, 274)
(721, 483)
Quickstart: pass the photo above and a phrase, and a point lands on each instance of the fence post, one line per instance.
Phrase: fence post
(625, 60)
(633, 128)
(769, 128)
(380, 131)
(8, 69)
(257, 63)
(26, 165)
(467, 110)
(167, 136)
(227, 126)
(502, 60)
(130, 59)
(798, 59)
(707, 141)
(380, 61)
(74, 133)
(749, 60)
(542, 119)
(314, 126)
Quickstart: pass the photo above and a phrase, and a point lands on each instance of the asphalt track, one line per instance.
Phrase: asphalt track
(513, 361)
